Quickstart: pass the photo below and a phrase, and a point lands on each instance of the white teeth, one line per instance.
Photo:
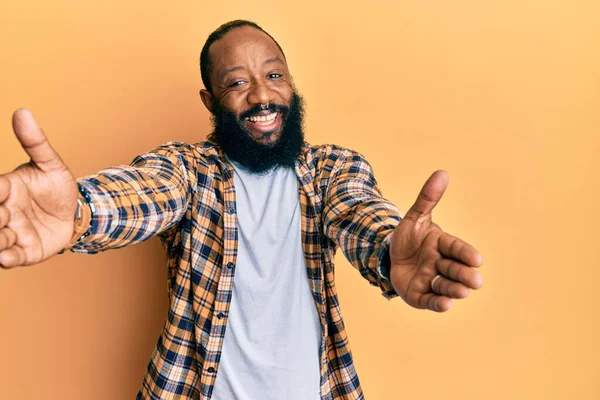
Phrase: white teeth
(263, 118)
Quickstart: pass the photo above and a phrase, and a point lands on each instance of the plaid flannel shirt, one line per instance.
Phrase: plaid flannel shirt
(184, 193)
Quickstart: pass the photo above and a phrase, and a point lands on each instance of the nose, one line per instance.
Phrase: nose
(260, 93)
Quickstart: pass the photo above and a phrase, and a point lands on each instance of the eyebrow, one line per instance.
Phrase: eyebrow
(229, 70)
(273, 60)
(239, 67)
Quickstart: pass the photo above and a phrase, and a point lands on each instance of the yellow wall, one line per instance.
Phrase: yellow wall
(505, 95)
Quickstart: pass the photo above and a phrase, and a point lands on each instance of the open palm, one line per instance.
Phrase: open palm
(37, 200)
(428, 266)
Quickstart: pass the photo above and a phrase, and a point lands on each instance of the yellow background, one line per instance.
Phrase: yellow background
(504, 95)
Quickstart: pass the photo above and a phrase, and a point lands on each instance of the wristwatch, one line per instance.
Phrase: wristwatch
(83, 217)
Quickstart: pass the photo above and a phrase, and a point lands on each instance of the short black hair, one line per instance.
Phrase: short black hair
(218, 34)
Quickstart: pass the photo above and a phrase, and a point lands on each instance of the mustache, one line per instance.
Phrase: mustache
(256, 109)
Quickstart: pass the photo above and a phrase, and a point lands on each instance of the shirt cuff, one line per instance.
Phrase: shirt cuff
(383, 270)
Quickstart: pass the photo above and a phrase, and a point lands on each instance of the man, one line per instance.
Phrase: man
(250, 220)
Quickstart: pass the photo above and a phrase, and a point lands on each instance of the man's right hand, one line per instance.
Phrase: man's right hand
(37, 200)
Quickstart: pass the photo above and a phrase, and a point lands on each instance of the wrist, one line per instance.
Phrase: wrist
(82, 220)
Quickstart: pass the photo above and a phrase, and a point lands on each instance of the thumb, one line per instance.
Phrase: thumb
(430, 195)
(34, 141)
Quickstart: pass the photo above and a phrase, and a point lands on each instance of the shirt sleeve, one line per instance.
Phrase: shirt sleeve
(132, 203)
(360, 220)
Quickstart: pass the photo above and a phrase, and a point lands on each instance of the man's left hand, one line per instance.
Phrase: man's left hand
(429, 267)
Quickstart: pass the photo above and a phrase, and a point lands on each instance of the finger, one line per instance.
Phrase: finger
(34, 141)
(431, 301)
(8, 238)
(447, 287)
(4, 188)
(4, 216)
(12, 257)
(459, 250)
(459, 272)
(430, 195)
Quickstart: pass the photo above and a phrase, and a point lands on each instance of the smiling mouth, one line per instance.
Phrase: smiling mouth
(264, 126)
(263, 120)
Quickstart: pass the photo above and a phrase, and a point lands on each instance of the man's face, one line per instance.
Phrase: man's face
(248, 70)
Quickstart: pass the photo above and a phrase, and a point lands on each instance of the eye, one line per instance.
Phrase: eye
(274, 75)
(236, 83)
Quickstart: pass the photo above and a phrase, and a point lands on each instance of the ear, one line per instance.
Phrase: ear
(207, 99)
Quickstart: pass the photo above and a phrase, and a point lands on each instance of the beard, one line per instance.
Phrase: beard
(231, 135)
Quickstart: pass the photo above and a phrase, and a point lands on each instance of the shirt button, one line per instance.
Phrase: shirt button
(231, 210)
(211, 369)
(230, 265)
(220, 315)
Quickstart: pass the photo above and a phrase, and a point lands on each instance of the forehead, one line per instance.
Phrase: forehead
(245, 46)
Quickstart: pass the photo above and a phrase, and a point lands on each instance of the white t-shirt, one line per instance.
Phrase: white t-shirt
(273, 334)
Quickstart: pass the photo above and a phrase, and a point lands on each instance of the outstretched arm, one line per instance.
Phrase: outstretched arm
(132, 203)
(358, 218)
(411, 256)
(38, 200)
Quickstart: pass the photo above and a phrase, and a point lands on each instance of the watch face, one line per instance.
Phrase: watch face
(78, 211)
